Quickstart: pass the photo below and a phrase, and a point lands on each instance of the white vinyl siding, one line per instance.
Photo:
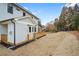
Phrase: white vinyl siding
(4, 14)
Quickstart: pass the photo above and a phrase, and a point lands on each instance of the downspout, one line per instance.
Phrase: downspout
(14, 33)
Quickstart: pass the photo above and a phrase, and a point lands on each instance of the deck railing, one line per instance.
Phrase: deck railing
(36, 35)
(40, 34)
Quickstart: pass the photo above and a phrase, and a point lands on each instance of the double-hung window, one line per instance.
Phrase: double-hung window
(30, 29)
(35, 29)
(10, 9)
(24, 14)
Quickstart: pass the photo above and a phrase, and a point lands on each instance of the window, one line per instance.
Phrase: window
(32, 17)
(24, 14)
(29, 29)
(10, 8)
(35, 29)
(17, 9)
(32, 29)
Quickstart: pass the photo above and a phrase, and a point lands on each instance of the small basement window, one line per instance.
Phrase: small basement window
(29, 29)
(24, 13)
(10, 8)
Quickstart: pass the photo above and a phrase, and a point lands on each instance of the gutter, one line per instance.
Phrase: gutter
(14, 33)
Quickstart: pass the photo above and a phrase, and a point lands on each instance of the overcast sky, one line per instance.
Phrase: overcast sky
(45, 11)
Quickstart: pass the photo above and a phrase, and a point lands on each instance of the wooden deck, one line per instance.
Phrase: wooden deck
(39, 34)
(4, 38)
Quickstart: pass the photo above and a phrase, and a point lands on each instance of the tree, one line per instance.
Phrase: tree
(56, 23)
(76, 21)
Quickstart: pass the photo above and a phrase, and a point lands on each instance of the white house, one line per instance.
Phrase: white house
(16, 23)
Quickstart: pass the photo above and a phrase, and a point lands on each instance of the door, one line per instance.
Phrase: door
(30, 32)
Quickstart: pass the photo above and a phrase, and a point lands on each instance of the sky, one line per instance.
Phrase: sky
(45, 11)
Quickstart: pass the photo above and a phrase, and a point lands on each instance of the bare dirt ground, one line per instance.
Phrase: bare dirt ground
(60, 43)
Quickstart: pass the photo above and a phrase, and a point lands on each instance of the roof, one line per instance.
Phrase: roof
(17, 18)
(21, 7)
(6, 20)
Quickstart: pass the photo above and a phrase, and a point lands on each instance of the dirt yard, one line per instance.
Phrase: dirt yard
(60, 43)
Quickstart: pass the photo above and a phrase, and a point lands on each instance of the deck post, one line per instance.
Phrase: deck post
(34, 36)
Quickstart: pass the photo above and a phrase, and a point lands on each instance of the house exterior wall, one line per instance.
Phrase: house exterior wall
(10, 32)
(21, 32)
(36, 21)
(3, 29)
(5, 15)
(37, 28)
(22, 29)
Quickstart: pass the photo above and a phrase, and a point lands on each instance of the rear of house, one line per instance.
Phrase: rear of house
(16, 23)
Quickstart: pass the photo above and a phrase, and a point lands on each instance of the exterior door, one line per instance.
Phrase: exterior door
(30, 32)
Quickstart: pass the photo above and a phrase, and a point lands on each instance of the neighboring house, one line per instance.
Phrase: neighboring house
(16, 23)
